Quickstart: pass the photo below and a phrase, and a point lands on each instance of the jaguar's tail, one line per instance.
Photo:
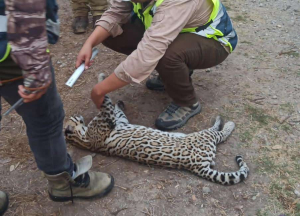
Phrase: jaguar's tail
(226, 178)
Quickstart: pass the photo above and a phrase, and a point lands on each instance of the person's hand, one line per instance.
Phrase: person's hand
(84, 56)
(97, 96)
(110, 84)
(32, 96)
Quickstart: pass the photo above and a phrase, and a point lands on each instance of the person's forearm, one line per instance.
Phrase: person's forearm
(110, 84)
(98, 36)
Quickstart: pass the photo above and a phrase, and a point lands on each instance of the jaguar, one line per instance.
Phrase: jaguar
(110, 132)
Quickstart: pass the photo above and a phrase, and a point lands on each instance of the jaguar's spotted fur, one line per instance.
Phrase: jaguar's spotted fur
(110, 132)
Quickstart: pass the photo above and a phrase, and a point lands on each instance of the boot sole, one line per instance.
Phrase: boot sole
(5, 206)
(79, 31)
(102, 194)
(181, 124)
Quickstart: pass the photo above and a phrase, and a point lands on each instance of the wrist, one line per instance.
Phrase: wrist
(88, 44)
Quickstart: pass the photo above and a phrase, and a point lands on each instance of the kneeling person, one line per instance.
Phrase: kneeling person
(172, 36)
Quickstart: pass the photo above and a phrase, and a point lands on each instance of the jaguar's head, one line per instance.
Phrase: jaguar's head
(75, 133)
(93, 136)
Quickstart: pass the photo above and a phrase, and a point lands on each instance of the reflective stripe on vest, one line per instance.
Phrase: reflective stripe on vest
(147, 15)
(218, 27)
(3, 23)
(3, 29)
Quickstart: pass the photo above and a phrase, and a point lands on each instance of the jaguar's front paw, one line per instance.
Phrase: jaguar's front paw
(75, 121)
(101, 77)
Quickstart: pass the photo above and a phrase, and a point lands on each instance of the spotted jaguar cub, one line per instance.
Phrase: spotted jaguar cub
(111, 133)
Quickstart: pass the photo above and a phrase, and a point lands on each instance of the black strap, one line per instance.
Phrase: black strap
(71, 192)
(151, 13)
(2, 8)
(200, 28)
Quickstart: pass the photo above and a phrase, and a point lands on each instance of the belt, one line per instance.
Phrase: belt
(2, 82)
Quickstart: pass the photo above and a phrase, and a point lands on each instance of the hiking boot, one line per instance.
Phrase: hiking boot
(83, 184)
(95, 19)
(80, 24)
(176, 116)
(156, 84)
(3, 202)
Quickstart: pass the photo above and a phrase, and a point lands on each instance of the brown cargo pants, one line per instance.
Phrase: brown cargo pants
(187, 51)
(81, 8)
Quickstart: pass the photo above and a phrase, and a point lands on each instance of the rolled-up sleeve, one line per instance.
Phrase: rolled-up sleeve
(113, 18)
(169, 19)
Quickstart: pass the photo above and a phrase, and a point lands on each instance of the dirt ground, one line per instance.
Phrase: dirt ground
(257, 87)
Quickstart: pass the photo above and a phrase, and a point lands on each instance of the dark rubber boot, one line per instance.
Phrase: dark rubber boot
(80, 25)
(95, 19)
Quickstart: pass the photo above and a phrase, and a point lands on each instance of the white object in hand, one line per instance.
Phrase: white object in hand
(79, 70)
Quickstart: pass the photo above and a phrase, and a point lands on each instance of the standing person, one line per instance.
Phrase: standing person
(172, 36)
(80, 11)
(26, 71)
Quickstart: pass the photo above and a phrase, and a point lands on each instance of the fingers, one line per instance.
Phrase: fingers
(84, 56)
(87, 61)
(78, 61)
(99, 103)
(30, 97)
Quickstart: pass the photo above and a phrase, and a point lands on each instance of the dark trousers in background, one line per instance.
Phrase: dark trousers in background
(44, 123)
(187, 51)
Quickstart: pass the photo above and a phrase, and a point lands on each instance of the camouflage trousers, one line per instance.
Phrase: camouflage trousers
(82, 7)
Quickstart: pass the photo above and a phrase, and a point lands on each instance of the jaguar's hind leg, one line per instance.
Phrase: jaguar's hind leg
(120, 115)
(217, 124)
(220, 135)
(227, 130)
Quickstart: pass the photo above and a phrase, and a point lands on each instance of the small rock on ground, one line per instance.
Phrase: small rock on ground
(206, 190)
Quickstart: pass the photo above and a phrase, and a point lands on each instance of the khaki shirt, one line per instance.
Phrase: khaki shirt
(168, 21)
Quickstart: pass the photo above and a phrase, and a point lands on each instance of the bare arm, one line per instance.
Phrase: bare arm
(110, 84)
(109, 25)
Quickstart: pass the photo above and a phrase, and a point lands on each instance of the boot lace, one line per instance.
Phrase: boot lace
(172, 108)
(81, 181)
